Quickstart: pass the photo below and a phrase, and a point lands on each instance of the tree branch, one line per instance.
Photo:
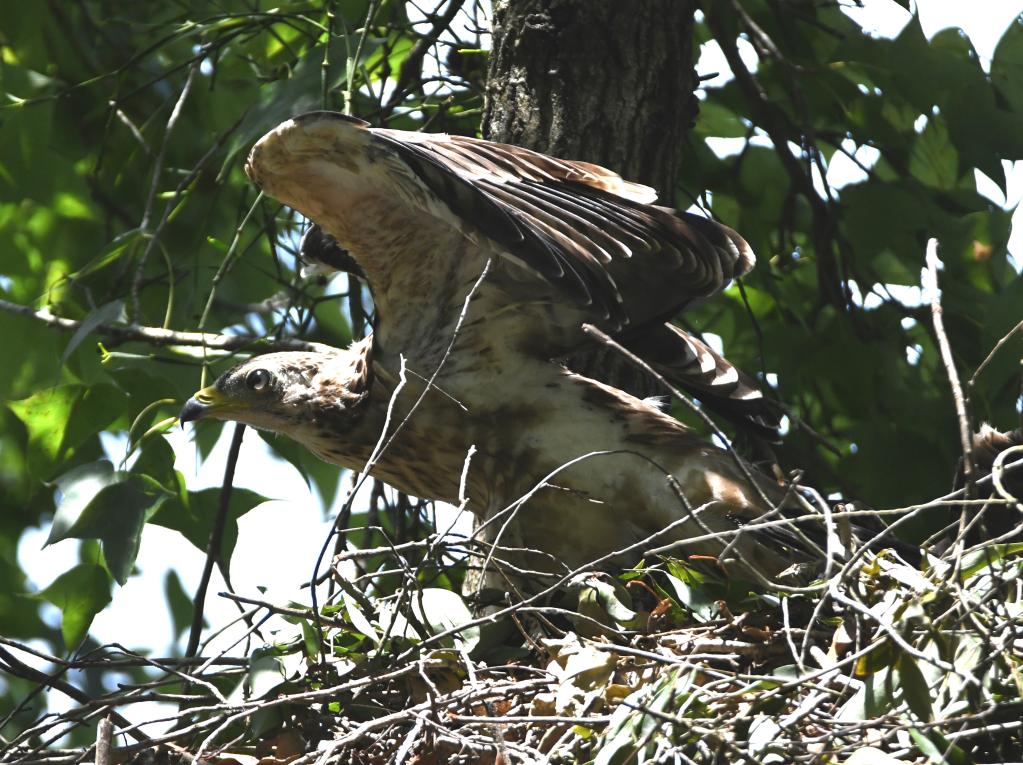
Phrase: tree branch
(213, 551)
(412, 66)
(160, 337)
(780, 130)
(17, 668)
(929, 277)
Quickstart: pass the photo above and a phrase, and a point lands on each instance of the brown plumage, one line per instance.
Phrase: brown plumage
(485, 260)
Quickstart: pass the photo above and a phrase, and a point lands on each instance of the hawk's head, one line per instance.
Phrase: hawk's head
(300, 394)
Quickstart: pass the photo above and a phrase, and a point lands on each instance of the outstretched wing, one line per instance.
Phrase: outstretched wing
(421, 214)
(581, 227)
(389, 195)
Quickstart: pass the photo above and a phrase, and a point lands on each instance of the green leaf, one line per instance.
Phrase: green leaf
(98, 503)
(629, 734)
(267, 672)
(914, 688)
(194, 518)
(322, 476)
(28, 167)
(933, 159)
(988, 557)
(605, 601)
(874, 699)
(106, 314)
(120, 512)
(156, 463)
(1007, 65)
(310, 640)
(911, 64)
(80, 594)
(884, 219)
(61, 418)
(938, 749)
(45, 415)
(358, 618)
(719, 121)
(297, 93)
(869, 755)
(77, 489)
(111, 254)
(97, 407)
(180, 603)
(439, 611)
(697, 598)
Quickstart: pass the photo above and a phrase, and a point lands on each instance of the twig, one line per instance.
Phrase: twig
(517, 719)
(19, 669)
(994, 351)
(998, 472)
(610, 342)
(159, 337)
(300, 613)
(411, 67)
(353, 60)
(144, 229)
(213, 552)
(134, 661)
(104, 732)
(387, 436)
(929, 278)
(772, 118)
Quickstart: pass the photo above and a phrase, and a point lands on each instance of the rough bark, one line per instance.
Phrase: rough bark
(605, 81)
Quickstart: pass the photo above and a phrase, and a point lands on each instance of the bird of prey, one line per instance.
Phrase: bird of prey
(485, 261)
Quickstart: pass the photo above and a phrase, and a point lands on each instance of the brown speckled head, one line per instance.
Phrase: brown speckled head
(291, 393)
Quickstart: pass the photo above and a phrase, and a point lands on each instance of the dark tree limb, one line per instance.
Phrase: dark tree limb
(779, 129)
(213, 551)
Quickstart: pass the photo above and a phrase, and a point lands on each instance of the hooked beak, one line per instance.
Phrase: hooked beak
(203, 404)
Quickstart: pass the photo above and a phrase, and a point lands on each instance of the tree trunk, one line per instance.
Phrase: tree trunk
(604, 81)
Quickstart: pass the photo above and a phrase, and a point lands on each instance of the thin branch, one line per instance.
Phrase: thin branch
(216, 537)
(767, 114)
(104, 733)
(411, 67)
(929, 277)
(172, 121)
(605, 339)
(18, 668)
(159, 337)
(994, 351)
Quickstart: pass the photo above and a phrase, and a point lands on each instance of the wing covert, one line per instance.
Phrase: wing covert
(594, 235)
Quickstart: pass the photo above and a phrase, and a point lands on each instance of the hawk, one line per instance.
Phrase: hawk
(485, 261)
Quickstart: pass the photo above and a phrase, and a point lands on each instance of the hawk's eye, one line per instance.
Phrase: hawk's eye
(257, 379)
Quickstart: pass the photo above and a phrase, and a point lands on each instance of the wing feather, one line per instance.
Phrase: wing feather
(573, 212)
(420, 213)
(693, 365)
(531, 165)
(580, 227)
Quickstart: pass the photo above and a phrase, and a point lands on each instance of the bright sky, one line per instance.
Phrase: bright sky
(279, 541)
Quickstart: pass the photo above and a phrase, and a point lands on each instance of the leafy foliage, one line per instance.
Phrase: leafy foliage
(932, 117)
(123, 203)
